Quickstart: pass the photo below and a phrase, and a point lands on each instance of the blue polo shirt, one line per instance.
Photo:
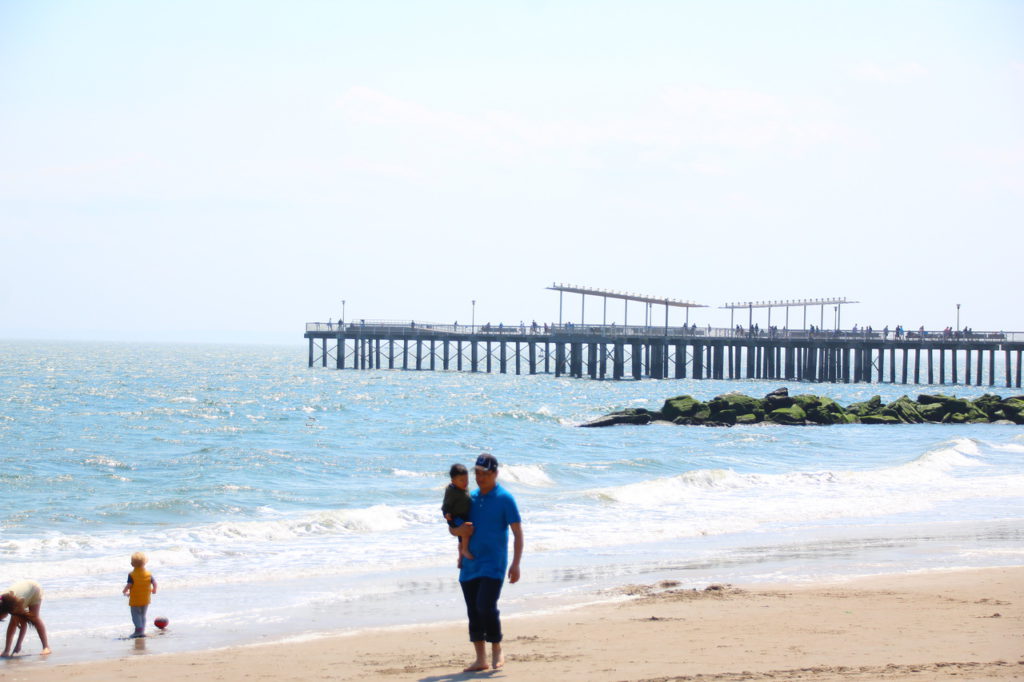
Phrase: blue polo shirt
(491, 515)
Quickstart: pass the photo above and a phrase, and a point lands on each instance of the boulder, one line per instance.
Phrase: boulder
(681, 406)
(933, 412)
(926, 399)
(744, 419)
(822, 410)
(904, 409)
(634, 415)
(725, 416)
(940, 408)
(1013, 409)
(865, 407)
(990, 404)
(879, 419)
(793, 415)
(734, 404)
(776, 399)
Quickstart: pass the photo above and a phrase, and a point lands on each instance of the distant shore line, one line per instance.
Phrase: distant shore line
(780, 408)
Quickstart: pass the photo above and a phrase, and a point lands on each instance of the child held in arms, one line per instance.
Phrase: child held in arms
(456, 505)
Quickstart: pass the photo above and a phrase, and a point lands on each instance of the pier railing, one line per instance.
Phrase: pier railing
(416, 327)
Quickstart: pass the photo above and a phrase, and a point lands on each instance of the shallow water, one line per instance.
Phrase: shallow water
(275, 500)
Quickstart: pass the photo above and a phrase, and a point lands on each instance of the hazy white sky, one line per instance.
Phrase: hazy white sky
(221, 171)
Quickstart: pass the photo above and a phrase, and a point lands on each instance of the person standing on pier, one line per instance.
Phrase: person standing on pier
(493, 513)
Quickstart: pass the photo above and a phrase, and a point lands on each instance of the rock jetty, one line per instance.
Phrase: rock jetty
(778, 407)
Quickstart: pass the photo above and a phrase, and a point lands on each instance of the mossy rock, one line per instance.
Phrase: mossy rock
(1013, 409)
(1014, 403)
(636, 416)
(904, 409)
(778, 398)
(737, 404)
(930, 399)
(806, 401)
(866, 407)
(681, 406)
(940, 407)
(827, 411)
(879, 419)
(933, 412)
(746, 419)
(725, 416)
(990, 404)
(793, 415)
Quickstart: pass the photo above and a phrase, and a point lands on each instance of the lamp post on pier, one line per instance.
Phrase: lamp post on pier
(343, 310)
(957, 317)
(472, 321)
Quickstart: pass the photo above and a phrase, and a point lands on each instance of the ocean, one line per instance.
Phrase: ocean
(278, 502)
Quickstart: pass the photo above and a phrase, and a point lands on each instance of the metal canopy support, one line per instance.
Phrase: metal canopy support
(787, 304)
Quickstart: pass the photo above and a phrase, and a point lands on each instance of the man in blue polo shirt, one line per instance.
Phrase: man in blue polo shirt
(493, 513)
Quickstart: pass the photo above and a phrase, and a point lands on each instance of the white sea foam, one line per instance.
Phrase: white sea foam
(405, 473)
(526, 474)
(1007, 447)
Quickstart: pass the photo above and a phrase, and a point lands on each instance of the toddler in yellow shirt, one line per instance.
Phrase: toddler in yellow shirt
(141, 585)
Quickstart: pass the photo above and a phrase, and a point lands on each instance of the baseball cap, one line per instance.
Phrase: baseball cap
(487, 462)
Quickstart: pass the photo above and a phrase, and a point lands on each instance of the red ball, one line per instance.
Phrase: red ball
(161, 622)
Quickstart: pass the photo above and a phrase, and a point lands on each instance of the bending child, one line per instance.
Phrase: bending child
(23, 601)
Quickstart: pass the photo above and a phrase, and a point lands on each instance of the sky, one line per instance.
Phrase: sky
(219, 171)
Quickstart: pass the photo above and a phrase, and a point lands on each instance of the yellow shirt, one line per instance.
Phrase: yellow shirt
(141, 587)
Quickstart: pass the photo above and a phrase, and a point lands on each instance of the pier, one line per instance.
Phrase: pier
(645, 351)
(658, 350)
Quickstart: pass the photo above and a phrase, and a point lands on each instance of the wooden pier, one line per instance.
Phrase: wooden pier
(638, 352)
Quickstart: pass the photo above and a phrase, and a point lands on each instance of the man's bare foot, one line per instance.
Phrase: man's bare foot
(45, 652)
(497, 658)
(476, 667)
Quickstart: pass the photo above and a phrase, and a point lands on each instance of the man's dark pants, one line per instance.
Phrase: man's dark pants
(481, 595)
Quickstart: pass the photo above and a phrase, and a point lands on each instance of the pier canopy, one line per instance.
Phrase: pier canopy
(622, 295)
(749, 306)
(640, 298)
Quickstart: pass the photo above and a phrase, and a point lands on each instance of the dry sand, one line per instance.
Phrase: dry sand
(956, 625)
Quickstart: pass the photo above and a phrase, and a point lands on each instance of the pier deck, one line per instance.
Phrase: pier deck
(637, 352)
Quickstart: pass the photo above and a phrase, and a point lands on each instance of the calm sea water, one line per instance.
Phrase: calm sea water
(277, 501)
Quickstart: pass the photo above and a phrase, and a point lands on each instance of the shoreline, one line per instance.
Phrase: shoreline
(945, 624)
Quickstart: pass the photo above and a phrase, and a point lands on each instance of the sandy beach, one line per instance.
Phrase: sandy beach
(963, 625)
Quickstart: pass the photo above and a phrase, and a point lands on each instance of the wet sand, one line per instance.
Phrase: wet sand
(950, 625)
